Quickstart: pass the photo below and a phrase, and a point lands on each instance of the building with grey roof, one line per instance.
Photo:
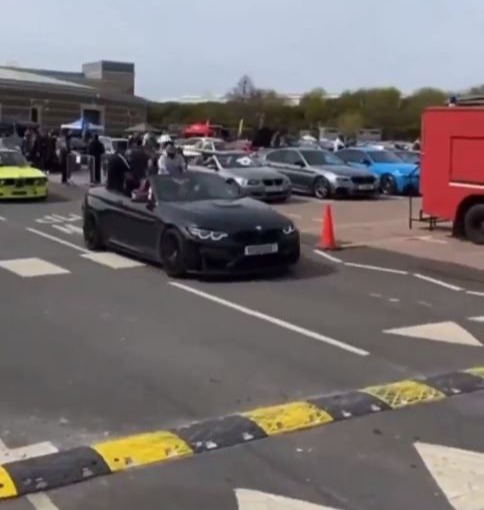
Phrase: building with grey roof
(103, 93)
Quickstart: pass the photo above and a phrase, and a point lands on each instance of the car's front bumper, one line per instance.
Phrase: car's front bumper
(268, 193)
(23, 192)
(351, 189)
(213, 258)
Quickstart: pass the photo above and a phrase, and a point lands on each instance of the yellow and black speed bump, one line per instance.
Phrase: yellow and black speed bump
(84, 463)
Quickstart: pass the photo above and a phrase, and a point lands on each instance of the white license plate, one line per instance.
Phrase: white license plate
(261, 249)
(274, 189)
(365, 187)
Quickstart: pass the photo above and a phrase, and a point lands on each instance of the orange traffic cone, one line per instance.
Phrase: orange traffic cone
(327, 239)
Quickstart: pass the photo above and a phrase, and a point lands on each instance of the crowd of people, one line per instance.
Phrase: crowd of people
(128, 170)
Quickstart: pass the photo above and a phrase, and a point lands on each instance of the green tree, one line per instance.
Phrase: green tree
(349, 123)
(313, 106)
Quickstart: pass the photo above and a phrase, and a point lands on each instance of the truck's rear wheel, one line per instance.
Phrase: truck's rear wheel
(474, 224)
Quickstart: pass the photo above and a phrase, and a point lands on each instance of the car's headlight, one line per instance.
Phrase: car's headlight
(253, 182)
(290, 229)
(241, 181)
(41, 181)
(286, 183)
(206, 235)
(343, 179)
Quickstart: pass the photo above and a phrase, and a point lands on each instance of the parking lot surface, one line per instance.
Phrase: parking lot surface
(103, 346)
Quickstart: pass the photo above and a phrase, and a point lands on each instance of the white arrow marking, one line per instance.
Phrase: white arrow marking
(255, 500)
(477, 319)
(68, 229)
(458, 473)
(39, 501)
(448, 332)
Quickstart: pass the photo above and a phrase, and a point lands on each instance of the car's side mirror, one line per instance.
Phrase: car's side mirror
(300, 164)
(366, 162)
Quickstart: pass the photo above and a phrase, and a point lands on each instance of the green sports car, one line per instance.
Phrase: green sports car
(18, 179)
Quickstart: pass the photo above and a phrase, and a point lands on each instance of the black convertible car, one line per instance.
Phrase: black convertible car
(193, 224)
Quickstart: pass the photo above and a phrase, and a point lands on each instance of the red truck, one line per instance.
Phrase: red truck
(452, 167)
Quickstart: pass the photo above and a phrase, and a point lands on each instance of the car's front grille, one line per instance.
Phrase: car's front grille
(273, 182)
(363, 179)
(249, 237)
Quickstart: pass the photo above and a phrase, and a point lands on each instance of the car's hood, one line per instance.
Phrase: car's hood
(18, 172)
(262, 172)
(397, 168)
(343, 170)
(223, 215)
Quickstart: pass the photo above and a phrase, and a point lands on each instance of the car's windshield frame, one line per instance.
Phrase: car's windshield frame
(17, 159)
(391, 157)
(219, 189)
(329, 158)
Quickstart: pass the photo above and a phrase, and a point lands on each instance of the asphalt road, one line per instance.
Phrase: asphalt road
(91, 352)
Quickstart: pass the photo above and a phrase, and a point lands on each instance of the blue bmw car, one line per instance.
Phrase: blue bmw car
(396, 176)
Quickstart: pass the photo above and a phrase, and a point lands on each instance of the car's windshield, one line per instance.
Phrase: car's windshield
(191, 187)
(8, 158)
(240, 160)
(384, 157)
(321, 157)
(409, 157)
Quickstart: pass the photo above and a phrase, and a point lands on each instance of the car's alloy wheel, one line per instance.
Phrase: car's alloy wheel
(172, 253)
(388, 185)
(321, 188)
(93, 237)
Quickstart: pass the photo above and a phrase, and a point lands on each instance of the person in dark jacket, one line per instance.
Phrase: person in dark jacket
(138, 159)
(96, 150)
(117, 170)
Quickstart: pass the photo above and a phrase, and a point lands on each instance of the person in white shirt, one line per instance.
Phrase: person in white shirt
(338, 144)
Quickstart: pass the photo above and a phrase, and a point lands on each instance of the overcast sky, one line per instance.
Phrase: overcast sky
(197, 47)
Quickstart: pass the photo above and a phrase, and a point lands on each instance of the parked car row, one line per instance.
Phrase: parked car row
(273, 174)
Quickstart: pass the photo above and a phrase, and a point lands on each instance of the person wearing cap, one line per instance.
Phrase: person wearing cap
(171, 162)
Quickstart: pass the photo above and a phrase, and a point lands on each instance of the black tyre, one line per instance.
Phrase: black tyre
(93, 237)
(474, 224)
(388, 185)
(321, 188)
(173, 253)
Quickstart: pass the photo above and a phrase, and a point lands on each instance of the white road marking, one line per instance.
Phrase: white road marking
(32, 267)
(3, 218)
(69, 229)
(254, 500)
(448, 332)
(327, 256)
(477, 319)
(376, 268)
(40, 500)
(430, 239)
(293, 216)
(273, 320)
(474, 293)
(112, 260)
(57, 240)
(458, 473)
(438, 282)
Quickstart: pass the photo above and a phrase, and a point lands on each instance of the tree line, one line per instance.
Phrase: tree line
(388, 109)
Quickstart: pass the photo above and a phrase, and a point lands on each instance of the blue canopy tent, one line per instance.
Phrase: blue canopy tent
(83, 125)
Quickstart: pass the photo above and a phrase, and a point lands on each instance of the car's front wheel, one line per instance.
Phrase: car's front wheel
(321, 188)
(172, 253)
(93, 237)
(388, 185)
